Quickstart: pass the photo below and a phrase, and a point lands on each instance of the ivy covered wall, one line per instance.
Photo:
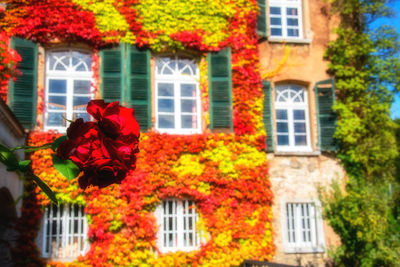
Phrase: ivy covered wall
(226, 174)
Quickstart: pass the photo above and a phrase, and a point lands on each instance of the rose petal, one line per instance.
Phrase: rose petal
(96, 108)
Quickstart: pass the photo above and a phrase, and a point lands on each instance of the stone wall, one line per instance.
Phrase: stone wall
(297, 179)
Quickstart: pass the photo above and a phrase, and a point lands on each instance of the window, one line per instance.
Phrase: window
(285, 18)
(68, 87)
(64, 231)
(292, 123)
(303, 228)
(177, 221)
(177, 96)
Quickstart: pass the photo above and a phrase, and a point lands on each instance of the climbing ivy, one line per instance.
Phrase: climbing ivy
(366, 66)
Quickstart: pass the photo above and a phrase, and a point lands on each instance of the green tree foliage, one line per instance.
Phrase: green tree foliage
(365, 65)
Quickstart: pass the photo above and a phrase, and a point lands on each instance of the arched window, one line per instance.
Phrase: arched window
(177, 96)
(177, 221)
(292, 122)
(68, 87)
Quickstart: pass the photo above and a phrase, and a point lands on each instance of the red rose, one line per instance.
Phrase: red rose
(82, 141)
(114, 121)
(104, 150)
(102, 173)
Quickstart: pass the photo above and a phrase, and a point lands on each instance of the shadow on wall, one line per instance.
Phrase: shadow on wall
(8, 235)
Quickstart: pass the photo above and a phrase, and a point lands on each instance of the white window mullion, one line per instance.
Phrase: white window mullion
(178, 223)
(47, 227)
(284, 20)
(313, 218)
(78, 234)
(298, 227)
(178, 103)
(58, 230)
(69, 98)
(291, 128)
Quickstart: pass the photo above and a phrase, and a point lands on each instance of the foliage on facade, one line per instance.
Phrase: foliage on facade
(364, 64)
(225, 173)
(8, 64)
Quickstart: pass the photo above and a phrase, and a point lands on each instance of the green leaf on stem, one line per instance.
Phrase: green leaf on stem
(29, 149)
(58, 141)
(66, 167)
(23, 165)
(8, 158)
(45, 188)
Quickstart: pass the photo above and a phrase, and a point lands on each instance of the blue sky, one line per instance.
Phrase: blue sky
(395, 21)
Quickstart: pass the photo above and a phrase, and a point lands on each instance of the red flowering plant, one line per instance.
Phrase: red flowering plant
(104, 150)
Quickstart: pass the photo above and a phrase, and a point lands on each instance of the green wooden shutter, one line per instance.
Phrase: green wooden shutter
(220, 89)
(23, 92)
(325, 98)
(111, 72)
(139, 86)
(267, 115)
(262, 18)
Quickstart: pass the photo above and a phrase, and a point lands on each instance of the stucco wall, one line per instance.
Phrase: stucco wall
(10, 180)
(296, 177)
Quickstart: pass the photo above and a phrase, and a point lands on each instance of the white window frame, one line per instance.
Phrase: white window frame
(69, 76)
(290, 106)
(181, 222)
(283, 4)
(176, 79)
(293, 231)
(64, 241)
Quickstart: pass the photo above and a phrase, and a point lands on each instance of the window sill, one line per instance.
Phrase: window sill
(298, 153)
(178, 132)
(304, 250)
(289, 40)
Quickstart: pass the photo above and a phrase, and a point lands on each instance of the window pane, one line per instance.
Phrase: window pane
(293, 32)
(80, 102)
(188, 90)
(189, 121)
(165, 89)
(166, 121)
(276, 31)
(282, 127)
(59, 61)
(274, 10)
(276, 21)
(81, 87)
(300, 140)
(291, 11)
(188, 106)
(57, 86)
(283, 140)
(299, 114)
(85, 116)
(299, 127)
(166, 105)
(186, 66)
(56, 119)
(84, 61)
(292, 22)
(281, 114)
(172, 64)
(57, 102)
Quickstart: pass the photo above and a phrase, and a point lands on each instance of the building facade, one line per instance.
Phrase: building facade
(11, 186)
(234, 105)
